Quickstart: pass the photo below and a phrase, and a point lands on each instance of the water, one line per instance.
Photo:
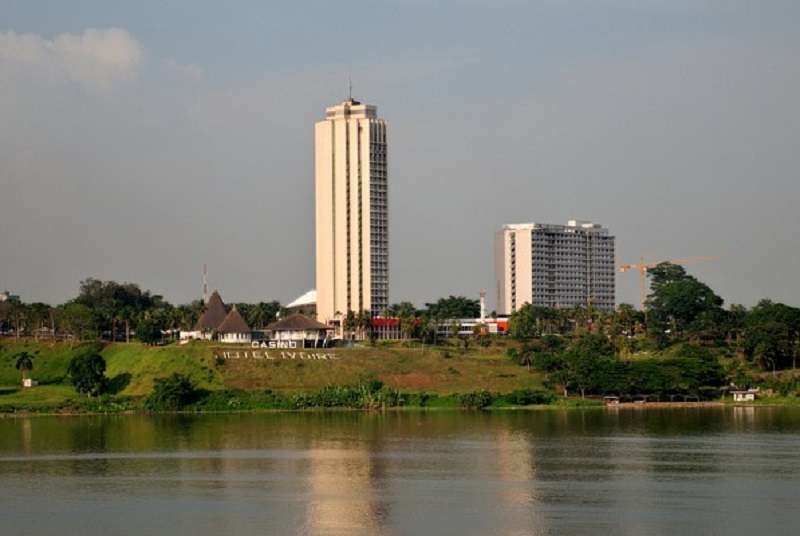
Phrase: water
(678, 471)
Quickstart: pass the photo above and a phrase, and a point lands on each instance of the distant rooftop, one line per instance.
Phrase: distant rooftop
(574, 224)
(234, 323)
(309, 298)
(7, 296)
(351, 108)
(297, 322)
(213, 315)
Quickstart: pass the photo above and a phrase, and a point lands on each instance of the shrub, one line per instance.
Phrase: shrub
(330, 396)
(172, 393)
(237, 399)
(370, 394)
(373, 385)
(476, 399)
(418, 399)
(526, 397)
(383, 398)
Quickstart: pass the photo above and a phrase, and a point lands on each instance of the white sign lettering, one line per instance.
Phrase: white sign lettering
(274, 344)
(257, 355)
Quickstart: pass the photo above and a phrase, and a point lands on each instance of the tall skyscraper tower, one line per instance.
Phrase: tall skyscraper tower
(352, 219)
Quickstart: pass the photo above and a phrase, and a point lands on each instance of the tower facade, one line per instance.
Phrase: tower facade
(352, 218)
(558, 266)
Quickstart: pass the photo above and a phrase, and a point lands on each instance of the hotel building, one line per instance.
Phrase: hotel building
(556, 266)
(352, 231)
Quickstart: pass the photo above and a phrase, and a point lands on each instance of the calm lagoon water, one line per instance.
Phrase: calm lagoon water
(677, 471)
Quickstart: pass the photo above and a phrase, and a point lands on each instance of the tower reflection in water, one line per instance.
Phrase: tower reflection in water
(343, 493)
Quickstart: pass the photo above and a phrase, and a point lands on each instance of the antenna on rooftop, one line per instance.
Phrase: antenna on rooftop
(349, 87)
(205, 283)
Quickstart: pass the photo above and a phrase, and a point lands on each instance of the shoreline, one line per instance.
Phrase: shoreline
(533, 407)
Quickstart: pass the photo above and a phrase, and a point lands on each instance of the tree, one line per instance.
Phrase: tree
(454, 329)
(735, 323)
(364, 325)
(524, 356)
(677, 298)
(38, 317)
(259, 315)
(625, 319)
(481, 334)
(150, 328)
(127, 314)
(350, 323)
(6, 316)
(464, 340)
(585, 360)
(532, 321)
(76, 319)
(24, 363)
(523, 323)
(87, 373)
(544, 354)
(429, 329)
(454, 307)
(771, 335)
(399, 310)
(108, 299)
(18, 314)
(408, 325)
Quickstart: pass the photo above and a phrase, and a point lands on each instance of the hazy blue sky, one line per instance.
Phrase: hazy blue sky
(139, 140)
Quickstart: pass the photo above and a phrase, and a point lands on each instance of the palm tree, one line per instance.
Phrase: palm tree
(364, 323)
(525, 357)
(350, 324)
(19, 314)
(24, 363)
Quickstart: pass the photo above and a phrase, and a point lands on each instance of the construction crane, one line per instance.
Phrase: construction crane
(643, 267)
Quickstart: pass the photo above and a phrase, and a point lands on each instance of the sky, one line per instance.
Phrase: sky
(140, 140)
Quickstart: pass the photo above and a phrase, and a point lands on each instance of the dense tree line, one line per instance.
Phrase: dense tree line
(114, 311)
(680, 309)
(685, 323)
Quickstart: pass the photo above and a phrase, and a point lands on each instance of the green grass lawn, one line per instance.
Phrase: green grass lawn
(50, 360)
(34, 398)
(406, 369)
(132, 369)
(133, 366)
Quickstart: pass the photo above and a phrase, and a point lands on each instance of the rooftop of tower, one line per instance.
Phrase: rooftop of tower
(351, 108)
(582, 225)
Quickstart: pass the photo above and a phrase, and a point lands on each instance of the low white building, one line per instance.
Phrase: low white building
(234, 330)
(745, 396)
(300, 328)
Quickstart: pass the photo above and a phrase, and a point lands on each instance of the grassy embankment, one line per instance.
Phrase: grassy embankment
(425, 376)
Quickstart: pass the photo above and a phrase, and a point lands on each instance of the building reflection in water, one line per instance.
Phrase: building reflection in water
(744, 416)
(516, 468)
(343, 493)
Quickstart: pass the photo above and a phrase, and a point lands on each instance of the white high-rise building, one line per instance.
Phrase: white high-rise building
(554, 266)
(351, 211)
